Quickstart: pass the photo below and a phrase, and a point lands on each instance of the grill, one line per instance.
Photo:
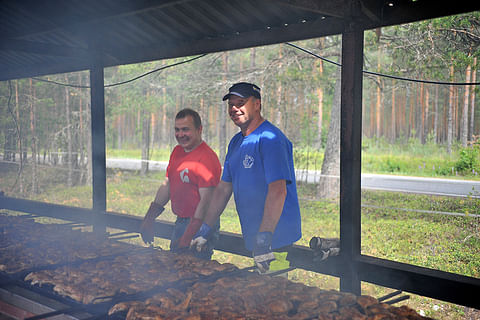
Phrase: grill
(84, 276)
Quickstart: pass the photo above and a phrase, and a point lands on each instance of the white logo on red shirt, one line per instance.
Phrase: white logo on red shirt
(183, 176)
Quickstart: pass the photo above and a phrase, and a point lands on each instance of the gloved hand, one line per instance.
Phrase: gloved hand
(146, 228)
(262, 251)
(191, 230)
(201, 237)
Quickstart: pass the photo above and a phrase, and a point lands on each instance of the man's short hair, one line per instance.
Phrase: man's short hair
(197, 121)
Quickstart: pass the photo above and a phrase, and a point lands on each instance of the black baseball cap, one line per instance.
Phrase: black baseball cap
(243, 90)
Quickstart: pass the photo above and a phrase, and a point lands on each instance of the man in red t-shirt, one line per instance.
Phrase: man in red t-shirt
(193, 172)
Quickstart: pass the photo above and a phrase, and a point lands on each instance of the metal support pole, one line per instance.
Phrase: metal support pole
(98, 140)
(350, 156)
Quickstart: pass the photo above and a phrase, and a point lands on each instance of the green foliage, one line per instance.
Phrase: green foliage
(307, 158)
(468, 162)
(408, 158)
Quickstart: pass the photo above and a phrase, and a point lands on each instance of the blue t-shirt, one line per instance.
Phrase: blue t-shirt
(251, 163)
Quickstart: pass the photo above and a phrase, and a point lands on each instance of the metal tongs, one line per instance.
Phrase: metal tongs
(279, 272)
(385, 298)
(123, 235)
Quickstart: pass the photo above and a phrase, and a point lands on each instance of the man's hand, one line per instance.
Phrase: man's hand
(262, 251)
(201, 237)
(187, 236)
(146, 228)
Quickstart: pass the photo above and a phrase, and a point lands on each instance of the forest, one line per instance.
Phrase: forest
(420, 86)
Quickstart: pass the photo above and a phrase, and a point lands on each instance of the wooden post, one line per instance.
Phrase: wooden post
(98, 142)
(350, 155)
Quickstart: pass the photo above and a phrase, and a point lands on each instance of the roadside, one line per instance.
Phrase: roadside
(420, 185)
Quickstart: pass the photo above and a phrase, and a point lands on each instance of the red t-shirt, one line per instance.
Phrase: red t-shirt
(189, 171)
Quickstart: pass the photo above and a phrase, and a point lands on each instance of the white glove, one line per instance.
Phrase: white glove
(200, 239)
(262, 252)
(198, 243)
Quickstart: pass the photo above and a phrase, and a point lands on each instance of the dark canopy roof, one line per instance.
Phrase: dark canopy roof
(41, 37)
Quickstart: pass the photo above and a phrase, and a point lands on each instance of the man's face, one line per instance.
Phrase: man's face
(188, 137)
(243, 110)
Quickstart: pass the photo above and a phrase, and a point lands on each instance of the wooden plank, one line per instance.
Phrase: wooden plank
(99, 180)
(350, 155)
(426, 282)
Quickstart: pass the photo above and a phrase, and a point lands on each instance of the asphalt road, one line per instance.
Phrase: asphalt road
(432, 186)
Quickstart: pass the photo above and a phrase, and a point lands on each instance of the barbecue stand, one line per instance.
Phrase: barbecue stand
(416, 280)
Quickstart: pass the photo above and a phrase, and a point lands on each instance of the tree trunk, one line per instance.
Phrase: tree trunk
(472, 101)
(205, 120)
(222, 139)
(372, 114)
(393, 118)
(164, 117)
(278, 111)
(9, 132)
(427, 111)
(402, 114)
(319, 107)
(466, 99)
(81, 134)
(456, 113)
(329, 184)
(178, 103)
(88, 139)
(69, 135)
(435, 116)
(450, 113)
(252, 57)
(145, 141)
(320, 116)
(444, 126)
(410, 101)
(20, 138)
(153, 122)
(119, 131)
(422, 115)
(34, 138)
(378, 107)
(320, 95)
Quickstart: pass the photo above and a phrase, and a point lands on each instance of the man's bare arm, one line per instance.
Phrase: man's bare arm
(220, 197)
(277, 192)
(163, 193)
(206, 195)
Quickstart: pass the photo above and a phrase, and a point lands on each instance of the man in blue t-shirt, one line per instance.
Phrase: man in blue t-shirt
(259, 170)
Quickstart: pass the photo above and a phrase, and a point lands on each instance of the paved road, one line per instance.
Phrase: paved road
(434, 186)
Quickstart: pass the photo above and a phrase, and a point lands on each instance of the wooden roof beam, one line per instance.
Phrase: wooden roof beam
(42, 48)
(329, 8)
(56, 21)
